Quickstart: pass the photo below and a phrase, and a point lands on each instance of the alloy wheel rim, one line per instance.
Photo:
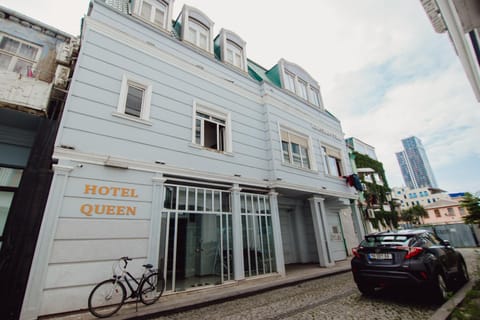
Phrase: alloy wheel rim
(442, 286)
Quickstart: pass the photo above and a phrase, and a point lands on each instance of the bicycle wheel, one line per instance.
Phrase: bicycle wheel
(151, 288)
(106, 298)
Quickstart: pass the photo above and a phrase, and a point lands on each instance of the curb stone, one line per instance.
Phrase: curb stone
(447, 308)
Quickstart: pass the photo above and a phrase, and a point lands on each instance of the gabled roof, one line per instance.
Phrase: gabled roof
(259, 73)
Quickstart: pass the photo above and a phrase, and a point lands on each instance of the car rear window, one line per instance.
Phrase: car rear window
(394, 240)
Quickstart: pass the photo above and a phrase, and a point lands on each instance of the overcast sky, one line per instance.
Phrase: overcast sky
(382, 70)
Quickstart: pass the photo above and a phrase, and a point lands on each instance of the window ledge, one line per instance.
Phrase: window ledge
(197, 146)
(286, 164)
(132, 118)
(334, 177)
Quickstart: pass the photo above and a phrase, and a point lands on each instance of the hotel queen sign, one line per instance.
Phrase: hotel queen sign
(89, 209)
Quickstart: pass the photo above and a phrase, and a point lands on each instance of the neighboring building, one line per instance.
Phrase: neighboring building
(444, 211)
(375, 202)
(361, 147)
(176, 148)
(461, 19)
(35, 62)
(420, 196)
(414, 164)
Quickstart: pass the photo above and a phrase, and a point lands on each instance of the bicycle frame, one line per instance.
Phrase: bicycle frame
(134, 292)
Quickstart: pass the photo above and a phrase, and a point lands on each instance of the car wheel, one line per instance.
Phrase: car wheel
(439, 289)
(462, 275)
(366, 289)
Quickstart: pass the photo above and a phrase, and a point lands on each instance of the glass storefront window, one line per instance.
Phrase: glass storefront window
(259, 253)
(196, 237)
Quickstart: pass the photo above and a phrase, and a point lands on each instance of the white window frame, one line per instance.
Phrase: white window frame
(330, 155)
(214, 113)
(290, 80)
(298, 159)
(314, 96)
(132, 81)
(199, 29)
(157, 5)
(302, 86)
(236, 52)
(15, 56)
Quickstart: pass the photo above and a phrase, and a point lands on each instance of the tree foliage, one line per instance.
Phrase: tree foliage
(472, 205)
(414, 214)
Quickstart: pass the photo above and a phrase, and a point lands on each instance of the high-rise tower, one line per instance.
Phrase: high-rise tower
(413, 161)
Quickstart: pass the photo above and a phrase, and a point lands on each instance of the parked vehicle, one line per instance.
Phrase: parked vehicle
(415, 258)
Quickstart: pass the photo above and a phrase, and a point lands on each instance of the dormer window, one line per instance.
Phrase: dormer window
(156, 12)
(314, 96)
(234, 54)
(198, 34)
(230, 48)
(290, 81)
(298, 81)
(195, 28)
(302, 89)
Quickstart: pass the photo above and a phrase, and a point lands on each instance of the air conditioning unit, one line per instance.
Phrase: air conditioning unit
(64, 53)
(61, 76)
(371, 213)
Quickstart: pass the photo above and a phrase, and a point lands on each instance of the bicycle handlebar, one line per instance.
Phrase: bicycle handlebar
(125, 259)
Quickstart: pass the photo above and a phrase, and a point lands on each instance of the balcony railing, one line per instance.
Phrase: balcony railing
(22, 91)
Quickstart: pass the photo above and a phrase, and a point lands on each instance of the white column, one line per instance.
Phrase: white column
(155, 220)
(238, 264)
(317, 208)
(277, 234)
(32, 300)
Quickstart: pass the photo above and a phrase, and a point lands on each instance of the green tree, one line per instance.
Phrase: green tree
(472, 205)
(414, 214)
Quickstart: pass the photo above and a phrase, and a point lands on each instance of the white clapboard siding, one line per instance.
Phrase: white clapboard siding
(101, 228)
(66, 251)
(68, 275)
(57, 300)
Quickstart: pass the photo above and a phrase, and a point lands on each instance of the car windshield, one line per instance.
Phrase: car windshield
(386, 240)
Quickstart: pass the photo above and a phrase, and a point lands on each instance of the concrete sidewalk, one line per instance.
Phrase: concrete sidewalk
(206, 295)
(197, 297)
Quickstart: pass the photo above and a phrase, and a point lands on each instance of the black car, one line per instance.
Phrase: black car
(408, 258)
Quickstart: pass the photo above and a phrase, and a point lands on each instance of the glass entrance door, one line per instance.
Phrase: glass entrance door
(196, 237)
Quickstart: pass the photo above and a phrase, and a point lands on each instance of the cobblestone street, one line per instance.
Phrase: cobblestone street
(334, 297)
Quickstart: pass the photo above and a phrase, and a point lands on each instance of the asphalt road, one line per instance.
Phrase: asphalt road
(334, 297)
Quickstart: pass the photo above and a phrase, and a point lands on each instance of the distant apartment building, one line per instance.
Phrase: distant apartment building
(461, 19)
(375, 201)
(420, 196)
(414, 164)
(444, 211)
(361, 147)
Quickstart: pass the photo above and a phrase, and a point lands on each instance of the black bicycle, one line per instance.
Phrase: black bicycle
(108, 296)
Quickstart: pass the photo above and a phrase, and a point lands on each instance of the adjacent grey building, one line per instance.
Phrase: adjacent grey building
(414, 164)
(176, 149)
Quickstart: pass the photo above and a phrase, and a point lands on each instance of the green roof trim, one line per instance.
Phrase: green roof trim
(274, 75)
(216, 48)
(259, 73)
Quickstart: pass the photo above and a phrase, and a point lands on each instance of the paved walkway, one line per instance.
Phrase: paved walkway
(297, 273)
(205, 295)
